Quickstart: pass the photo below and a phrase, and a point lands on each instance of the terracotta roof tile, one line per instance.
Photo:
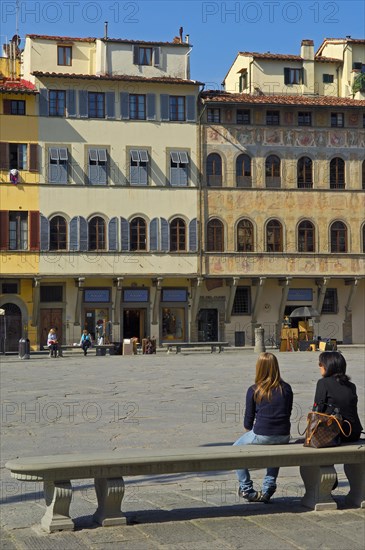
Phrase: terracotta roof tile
(216, 96)
(339, 41)
(323, 59)
(61, 38)
(118, 78)
(272, 56)
(18, 86)
(93, 39)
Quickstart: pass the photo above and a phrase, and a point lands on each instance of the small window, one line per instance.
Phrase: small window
(337, 173)
(51, 293)
(97, 234)
(58, 165)
(57, 103)
(137, 106)
(215, 236)
(214, 170)
(306, 237)
(338, 237)
(328, 78)
(357, 66)
(179, 162)
(272, 171)
(97, 166)
(138, 235)
(64, 55)
(245, 236)
(243, 116)
(214, 115)
(243, 171)
(18, 156)
(138, 166)
(330, 302)
(305, 173)
(272, 118)
(293, 76)
(304, 118)
(242, 82)
(177, 235)
(9, 288)
(14, 107)
(177, 107)
(242, 301)
(96, 104)
(274, 236)
(337, 120)
(144, 56)
(58, 233)
(18, 230)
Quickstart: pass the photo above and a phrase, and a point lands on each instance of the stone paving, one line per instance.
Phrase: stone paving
(76, 403)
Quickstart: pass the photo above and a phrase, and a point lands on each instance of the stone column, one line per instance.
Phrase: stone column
(259, 340)
(80, 287)
(58, 499)
(36, 300)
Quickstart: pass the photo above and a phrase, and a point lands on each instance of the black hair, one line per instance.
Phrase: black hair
(334, 364)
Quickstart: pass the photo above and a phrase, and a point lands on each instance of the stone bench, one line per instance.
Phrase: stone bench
(185, 345)
(109, 469)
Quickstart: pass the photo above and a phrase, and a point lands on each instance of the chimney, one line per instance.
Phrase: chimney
(106, 30)
(187, 37)
(307, 50)
(181, 30)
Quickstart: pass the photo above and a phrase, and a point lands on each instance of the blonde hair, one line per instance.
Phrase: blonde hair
(267, 376)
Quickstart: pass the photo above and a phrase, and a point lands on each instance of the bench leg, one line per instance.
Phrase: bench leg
(178, 349)
(355, 473)
(110, 494)
(318, 482)
(58, 496)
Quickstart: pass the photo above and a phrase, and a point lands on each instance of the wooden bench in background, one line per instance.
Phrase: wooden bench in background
(109, 469)
(203, 345)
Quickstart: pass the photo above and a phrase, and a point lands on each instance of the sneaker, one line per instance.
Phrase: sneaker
(265, 497)
(252, 496)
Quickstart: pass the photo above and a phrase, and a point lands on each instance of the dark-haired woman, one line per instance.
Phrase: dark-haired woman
(267, 421)
(335, 391)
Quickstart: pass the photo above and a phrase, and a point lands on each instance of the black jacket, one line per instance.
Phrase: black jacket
(343, 396)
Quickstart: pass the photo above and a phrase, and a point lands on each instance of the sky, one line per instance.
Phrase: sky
(217, 30)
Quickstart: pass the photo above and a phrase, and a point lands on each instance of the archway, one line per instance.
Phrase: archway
(11, 327)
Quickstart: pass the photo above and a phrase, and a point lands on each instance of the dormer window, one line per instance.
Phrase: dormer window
(64, 55)
(146, 55)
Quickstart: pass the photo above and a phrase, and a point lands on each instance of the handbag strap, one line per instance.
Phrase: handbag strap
(336, 419)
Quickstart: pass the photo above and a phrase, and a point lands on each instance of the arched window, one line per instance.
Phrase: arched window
(177, 235)
(305, 173)
(337, 173)
(138, 234)
(58, 233)
(215, 236)
(274, 236)
(245, 236)
(243, 171)
(214, 170)
(363, 174)
(272, 171)
(306, 237)
(97, 234)
(338, 237)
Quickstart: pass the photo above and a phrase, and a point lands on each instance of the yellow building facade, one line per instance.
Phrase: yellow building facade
(19, 205)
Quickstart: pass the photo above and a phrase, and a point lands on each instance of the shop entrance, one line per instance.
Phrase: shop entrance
(97, 316)
(208, 325)
(134, 323)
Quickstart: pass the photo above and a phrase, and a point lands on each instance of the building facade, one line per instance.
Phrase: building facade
(186, 215)
(19, 202)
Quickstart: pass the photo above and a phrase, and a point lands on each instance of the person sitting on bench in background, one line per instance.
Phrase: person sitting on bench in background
(52, 342)
(85, 341)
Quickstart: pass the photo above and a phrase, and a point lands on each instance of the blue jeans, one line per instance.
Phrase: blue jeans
(269, 482)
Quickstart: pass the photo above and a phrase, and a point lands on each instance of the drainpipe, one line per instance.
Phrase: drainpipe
(106, 68)
(200, 186)
(250, 73)
(187, 67)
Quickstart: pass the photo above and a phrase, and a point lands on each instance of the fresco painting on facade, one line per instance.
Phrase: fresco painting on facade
(141, 212)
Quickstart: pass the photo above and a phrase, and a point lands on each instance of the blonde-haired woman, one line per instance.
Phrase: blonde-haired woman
(266, 421)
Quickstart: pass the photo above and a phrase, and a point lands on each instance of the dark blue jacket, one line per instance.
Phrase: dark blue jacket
(269, 417)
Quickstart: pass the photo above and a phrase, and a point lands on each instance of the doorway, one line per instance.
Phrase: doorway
(11, 327)
(50, 318)
(208, 325)
(134, 323)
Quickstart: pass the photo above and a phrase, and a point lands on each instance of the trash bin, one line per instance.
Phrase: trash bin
(239, 339)
(24, 348)
(118, 348)
(100, 352)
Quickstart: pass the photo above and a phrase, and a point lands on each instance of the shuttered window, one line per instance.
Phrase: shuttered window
(177, 235)
(18, 156)
(138, 167)
(215, 236)
(96, 105)
(13, 107)
(179, 163)
(57, 103)
(97, 166)
(138, 234)
(18, 230)
(97, 234)
(58, 164)
(58, 233)
(137, 106)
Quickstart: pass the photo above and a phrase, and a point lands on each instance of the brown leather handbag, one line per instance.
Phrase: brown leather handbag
(324, 430)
